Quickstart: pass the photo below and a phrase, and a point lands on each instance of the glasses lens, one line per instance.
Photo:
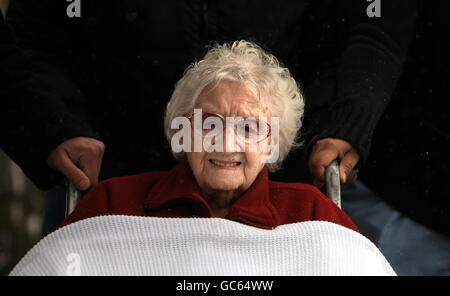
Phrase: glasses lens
(252, 130)
(212, 124)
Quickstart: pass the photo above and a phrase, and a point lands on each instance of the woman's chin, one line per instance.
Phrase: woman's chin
(226, 180)
(224, 183)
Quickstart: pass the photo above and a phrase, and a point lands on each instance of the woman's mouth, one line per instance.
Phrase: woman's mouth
(225, 164)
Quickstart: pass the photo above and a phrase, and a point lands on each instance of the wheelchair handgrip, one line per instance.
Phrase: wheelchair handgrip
(73, 196)
(333, 182)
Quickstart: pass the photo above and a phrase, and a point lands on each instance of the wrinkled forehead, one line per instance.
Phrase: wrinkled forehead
(233, 98)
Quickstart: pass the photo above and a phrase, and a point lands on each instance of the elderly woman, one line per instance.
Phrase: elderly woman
(243, 112)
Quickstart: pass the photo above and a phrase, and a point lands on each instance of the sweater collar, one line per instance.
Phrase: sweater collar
(179, 184)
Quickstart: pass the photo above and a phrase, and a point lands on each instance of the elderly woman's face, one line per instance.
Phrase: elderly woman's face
(228, 171)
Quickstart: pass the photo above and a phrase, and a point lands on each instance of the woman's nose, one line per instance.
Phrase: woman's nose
(230, 141)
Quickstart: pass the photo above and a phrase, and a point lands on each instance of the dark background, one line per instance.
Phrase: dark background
(409, 160)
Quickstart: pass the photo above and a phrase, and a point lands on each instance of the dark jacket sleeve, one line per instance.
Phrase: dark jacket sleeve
(350, 92)
(41, 106)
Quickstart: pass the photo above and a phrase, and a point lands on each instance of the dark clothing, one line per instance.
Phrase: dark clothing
(409, 161)
(33, 119)
(110, 72)
(411, 248)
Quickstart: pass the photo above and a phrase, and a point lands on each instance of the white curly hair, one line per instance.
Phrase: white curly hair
(248, 63)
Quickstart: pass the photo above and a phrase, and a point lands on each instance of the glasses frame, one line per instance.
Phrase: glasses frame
(191, 115)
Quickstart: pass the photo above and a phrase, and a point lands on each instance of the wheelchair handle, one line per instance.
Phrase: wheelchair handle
(73, 196)
(333, 182)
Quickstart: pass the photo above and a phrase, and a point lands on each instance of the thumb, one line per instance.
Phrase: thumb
(318, 162)
(347, 164)
(78, 178)
(66, 166)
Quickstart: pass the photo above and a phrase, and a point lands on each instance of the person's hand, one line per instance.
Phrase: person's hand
(324, 152)
(80, 160)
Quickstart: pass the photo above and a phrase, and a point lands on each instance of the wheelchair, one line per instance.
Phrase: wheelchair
(131, 245)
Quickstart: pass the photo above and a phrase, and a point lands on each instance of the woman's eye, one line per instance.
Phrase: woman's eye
(248, 129)
(251, 129)
(211, 122)
(209, 127)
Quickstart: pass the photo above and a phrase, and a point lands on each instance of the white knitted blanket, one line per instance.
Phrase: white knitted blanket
(127, 245)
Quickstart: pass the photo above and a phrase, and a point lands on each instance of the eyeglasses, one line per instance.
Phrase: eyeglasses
(249, 130)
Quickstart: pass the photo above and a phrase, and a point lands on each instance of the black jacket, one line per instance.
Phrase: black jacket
(110, 73)
(409, 163)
